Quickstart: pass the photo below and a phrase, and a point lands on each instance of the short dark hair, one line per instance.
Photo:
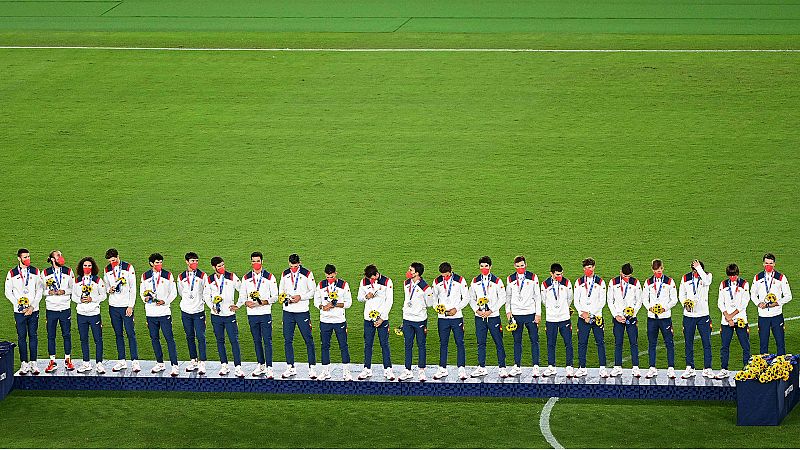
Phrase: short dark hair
(256, 255)
(627, 269)
(418, 267)
(155, 257)
(732, 269)
(445, 267)
(588, 262)
(556, 267)
(294, 258)
(21, 251)
(485, 260)
(329, 269)
(769, 256)
(370, 271)
(79, 269)
(657, 264)
(216, 260)
(191, 255)
(112, 253)
(519, 258)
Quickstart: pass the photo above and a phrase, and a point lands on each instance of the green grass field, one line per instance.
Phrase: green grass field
(391, 157)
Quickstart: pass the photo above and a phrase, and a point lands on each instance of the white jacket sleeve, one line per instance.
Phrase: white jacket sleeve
(673, 295)
(318, 298)
(347, 295)
(172, 291)
(132, 283)
(362, 293)
(10, 291)
(786, 291)
(387, 304)
(465, 297)
(99, 294)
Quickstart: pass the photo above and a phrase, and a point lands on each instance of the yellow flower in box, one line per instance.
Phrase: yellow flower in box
(440, 309)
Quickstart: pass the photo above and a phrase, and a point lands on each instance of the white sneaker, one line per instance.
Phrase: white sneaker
(515, 371)
(635, 372)
(135, 367)
(441, 373)
(24, 368)
(708, 373)
(99, 368)
(201, 367)
(119, 366)
(502, 372)
(85, 367)
(462, 373)
(259, 371)
(688, 373)
(34, 368)
(159, 367)
(312, 372)
(603, 372)
(192, 366)
(389, 374)
(653, 372)
(346, 375)
(324, 374)
(479, 372)
(569, 373)
(223, 369)
(422, 376)
(723, 374)
(616, 371)
(535, 372)
(238, 372)
(366, 373)
(268, 373)
(549, 372)
(175, 371)
(405, 375)
(581, 372)
(670, 372)
(289, 372)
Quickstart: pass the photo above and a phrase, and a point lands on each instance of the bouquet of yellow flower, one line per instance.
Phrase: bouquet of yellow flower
(149, 296)
(50, 282)
(256, 297)
(23, 303)
(598, 320)
(398, 331)
(483, 301)
(657, 309)
(771, 300)
(374, 315)
(571, 311)
(333, 297)
(440, 308)
(688, 305)
(86, 289)
(753, 369)
(741, 323)
(512, 324)
(283, 297)
(217, 301)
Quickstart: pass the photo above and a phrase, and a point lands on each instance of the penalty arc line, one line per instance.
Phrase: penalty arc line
(544, 423)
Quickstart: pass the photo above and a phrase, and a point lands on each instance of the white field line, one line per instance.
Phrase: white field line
(697, 336)
(544, 423)
(397, 50)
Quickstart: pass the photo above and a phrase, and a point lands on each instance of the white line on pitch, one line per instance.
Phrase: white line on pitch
(398, 50)
(544, 423)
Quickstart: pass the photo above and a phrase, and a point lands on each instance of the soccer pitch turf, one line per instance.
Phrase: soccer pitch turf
(392, 157)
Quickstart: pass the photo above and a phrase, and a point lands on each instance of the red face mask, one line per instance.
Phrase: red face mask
(409, 274)
(294, 269)
(520, 270)
(114, 263)
(221, 270)
(87, 270)
(734, 277)
(60, 261)
(484, 270)
(26, 262)
(626, 277)
(769, 269)
(446, 277)
(658, 273)
(558, 278)
(157, 267)
(257, 267)
(588, 271)
(193, 266)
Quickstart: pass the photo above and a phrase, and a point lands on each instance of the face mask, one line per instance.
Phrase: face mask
(157, 267)
(60, 260)
(87, 270)
(257, 267)
(484, 270)
(558, 278)
(220, 270)
(446, 277)
(26, 262)
(769, 269)
(733, 278)
(588, 271)
(114, 263)
(331, 281)
(658, 273)
(520, 270)
(626, 277)
(294, 269)
(409, 274)
(193, 266)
